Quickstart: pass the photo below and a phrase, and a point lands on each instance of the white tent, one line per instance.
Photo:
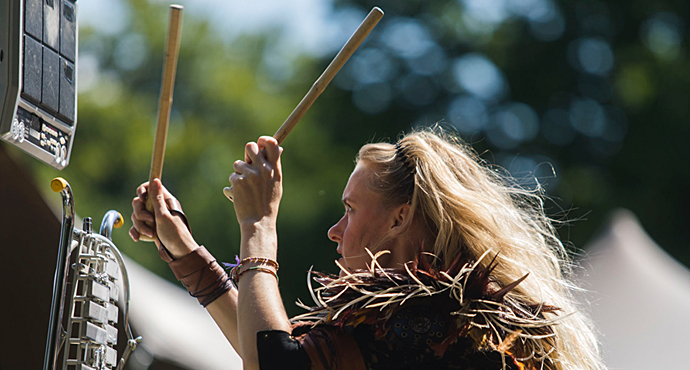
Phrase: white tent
(639, 298)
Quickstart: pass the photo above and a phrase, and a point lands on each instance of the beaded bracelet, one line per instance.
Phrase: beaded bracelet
(257, 268)
(235, 273)
(263, 265)
(261, 260)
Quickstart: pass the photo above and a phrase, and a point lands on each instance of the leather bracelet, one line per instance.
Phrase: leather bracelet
(202, 275)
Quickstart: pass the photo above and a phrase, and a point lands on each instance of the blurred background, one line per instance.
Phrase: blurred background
(588, 99)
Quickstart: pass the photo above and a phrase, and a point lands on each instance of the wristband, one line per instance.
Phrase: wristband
(201, 274)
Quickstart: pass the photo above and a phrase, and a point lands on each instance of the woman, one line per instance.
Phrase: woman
(445, 263)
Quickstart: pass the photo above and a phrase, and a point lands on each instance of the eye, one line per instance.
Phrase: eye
(348, 208)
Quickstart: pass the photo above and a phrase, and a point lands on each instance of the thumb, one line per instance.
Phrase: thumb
(157, 196)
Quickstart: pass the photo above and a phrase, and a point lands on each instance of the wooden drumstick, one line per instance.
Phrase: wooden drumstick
(172, 48)
(319, 86)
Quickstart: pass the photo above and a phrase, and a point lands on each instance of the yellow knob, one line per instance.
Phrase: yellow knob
(58, 184)
(119, 222)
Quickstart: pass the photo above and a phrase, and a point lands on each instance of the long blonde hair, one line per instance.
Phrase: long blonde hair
(473, 208)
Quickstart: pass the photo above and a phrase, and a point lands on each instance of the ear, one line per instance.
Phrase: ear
(400, 215)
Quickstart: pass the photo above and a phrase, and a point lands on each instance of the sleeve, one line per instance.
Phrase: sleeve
(279, 350)
(321, 348)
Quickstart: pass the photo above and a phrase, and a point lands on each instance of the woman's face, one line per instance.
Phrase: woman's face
(365, 222)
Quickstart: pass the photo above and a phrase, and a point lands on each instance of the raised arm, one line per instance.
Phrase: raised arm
(172, 231)
(256, 305)
(257, 184)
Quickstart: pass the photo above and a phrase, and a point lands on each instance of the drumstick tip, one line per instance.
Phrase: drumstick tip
(227, 191)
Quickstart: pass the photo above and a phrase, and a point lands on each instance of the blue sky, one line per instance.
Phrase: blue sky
(305, 25)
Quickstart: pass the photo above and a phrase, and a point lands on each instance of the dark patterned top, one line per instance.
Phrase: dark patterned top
(418, 317)
(410, 340)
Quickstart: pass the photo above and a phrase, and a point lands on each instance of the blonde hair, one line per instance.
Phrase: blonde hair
(473, 208)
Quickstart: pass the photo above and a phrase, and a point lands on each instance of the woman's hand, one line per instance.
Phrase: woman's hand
(170, 226)
(257, 183)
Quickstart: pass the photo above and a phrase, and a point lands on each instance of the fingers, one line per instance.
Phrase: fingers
(241, 167)
(271, 148)
(252, 154)
(266, 149)
(158, 195)
(134, 234)
(139, 210)
(142, 190)
(142, 228)
(160, 225)
(261, 158)
(235, 178)
(140, 217)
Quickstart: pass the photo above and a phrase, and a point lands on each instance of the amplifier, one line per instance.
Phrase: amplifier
(38, 77)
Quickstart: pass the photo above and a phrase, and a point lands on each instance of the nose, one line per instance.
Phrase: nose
(335, 233)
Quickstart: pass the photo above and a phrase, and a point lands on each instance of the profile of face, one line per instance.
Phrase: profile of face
(365, 222)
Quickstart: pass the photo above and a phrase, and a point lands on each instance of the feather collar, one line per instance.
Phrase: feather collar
(481, 309)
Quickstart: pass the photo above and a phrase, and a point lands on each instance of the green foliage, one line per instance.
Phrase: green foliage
(636, 160)
(218, 106)
(224, 97)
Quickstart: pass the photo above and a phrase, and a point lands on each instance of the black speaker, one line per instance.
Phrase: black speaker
(38, 77)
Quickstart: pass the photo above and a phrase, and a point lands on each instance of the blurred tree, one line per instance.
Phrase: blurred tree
(223, 98)
(586, 99)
